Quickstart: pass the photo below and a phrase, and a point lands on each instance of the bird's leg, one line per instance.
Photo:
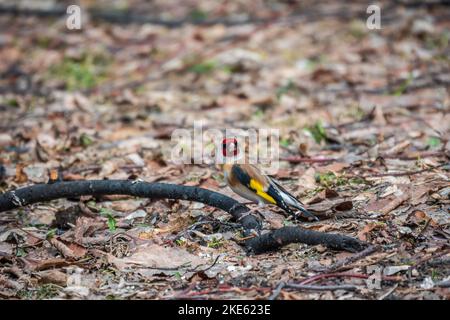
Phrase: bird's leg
(252, 233)
(251, 211)
(299, 216)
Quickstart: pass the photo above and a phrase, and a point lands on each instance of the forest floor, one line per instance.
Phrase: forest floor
(364, 126)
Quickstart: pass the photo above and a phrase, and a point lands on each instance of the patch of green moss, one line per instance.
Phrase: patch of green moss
(81, 74)
(330, 179)
(47, 291)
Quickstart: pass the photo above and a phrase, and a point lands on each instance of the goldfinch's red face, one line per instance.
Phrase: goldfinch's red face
(229, 147)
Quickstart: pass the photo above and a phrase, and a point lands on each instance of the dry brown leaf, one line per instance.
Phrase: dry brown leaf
(331, 205)
(156, 256)
(53, 276)
(343, 206)
(394, 203)
(209, 183)
(124, 133)
(362, 235)
(386, 205)
(174, 225)
(285, 173)
(69, 250)
(420, 194)
(335, 167)
(21, 177)
(308, 180)
(38, 265)
(275, 220)
(322, 195)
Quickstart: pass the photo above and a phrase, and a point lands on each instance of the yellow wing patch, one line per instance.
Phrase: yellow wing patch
(258, 187)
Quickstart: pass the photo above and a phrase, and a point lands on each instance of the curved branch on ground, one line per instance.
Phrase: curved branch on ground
(269, 241)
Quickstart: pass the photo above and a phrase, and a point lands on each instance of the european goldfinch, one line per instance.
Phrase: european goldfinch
(247, 181)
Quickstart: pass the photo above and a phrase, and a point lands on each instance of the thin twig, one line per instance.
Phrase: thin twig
(400, 174)
(426, 259)
(443, 284)
(295, 159)
(277, 291)
(388, 293)
(213, 264)
(349, 275)
(98, 167)
(426, 154)
(355, 257)
(427, 223)
(320, 288)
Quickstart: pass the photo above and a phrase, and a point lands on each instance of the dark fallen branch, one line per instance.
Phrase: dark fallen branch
(269, 241)
(276, 239)
(69, 189)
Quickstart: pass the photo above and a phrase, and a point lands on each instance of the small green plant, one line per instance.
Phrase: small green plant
(355, 112)
(401, 89)
(25, 294)
(20, 252)
(357, 29)
(47, 291)
(325, 179)
(203, 67)
(198, 15)
(50, 233)
(259, 114)
(13, 103)
(219, 177)
(434, 274)
(86, 140)
(312, 192)
(288, 223)
(112, 224)
(92, 205)
(180, 242)
(433, 142)
(285, 89)
(357, 180)
(318, 132)
(215, 243)
(439, 42)
(285, 142)
(43, 41)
